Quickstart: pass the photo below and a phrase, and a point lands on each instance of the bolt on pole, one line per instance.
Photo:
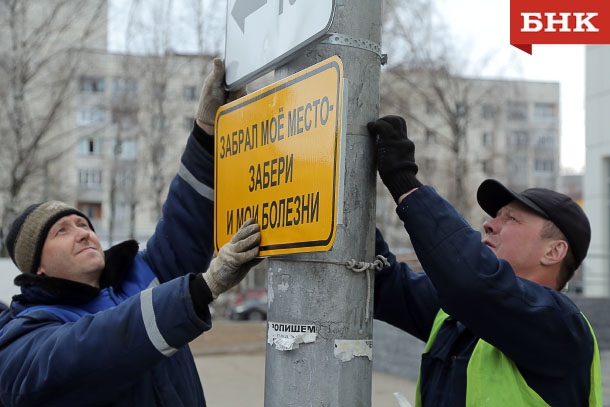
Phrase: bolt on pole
(316, 292)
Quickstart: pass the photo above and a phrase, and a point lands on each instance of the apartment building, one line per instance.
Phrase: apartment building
(469, 129)
(133, 115)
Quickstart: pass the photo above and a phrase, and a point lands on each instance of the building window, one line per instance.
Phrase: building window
(125, 179)
(544, 165)
(93, 210)
(190, 93)
(487, 138)
(516, 111)
(518, 172)
(159, 91)
(94, 84)
(125, 148)
(518, 138)
(488, 111)
(122, 211)
(90, 116)
(124, 119)
(90, 146)
(431, 136)
(461, 109)
(487, 166)
(545, 112)
(124, 85)
(90, 178)
(545, 139)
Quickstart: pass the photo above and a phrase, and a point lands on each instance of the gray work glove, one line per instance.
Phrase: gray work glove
(213, 94)
(234, 259)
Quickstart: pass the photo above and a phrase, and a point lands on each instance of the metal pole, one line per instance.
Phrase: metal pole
(316, 289)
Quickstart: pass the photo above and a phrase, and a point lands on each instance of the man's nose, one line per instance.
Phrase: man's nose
(489, 225)
(82, 234)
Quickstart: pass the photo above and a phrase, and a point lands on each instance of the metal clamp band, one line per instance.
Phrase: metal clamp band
(348, 40)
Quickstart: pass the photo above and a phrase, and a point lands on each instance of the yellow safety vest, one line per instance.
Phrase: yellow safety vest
(506, 386)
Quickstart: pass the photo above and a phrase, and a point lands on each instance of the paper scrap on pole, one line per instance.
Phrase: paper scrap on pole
(286, 337)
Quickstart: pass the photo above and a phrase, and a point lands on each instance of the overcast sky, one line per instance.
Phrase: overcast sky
(485, 24)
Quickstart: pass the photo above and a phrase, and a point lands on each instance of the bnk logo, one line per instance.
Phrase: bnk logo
(559, 22)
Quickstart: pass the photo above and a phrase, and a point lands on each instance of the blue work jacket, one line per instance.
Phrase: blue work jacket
(68, 344)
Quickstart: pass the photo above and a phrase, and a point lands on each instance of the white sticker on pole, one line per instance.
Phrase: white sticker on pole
(284, 336)
(346, 350)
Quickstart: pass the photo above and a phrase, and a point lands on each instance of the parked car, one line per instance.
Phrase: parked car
(253, 309)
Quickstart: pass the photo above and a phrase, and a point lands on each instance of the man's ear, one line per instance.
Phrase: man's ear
(40, 271)
(555, 252)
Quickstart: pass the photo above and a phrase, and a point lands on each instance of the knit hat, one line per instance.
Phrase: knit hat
(560, 209)
(29, 231)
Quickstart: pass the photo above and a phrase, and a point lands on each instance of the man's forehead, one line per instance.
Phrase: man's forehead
(73, 217)
(515, 205)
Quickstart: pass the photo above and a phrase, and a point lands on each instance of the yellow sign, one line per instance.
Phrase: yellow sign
(277, 160)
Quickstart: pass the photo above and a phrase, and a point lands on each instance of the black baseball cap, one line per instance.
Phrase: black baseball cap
(560, 209)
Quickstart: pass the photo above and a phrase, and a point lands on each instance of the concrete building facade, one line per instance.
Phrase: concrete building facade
(479, 128)
(596, 269)
(133, 116)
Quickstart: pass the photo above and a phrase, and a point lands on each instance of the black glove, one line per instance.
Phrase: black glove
(395, 155)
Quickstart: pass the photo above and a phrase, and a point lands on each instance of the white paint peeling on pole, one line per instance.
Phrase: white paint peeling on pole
(286, 337)
(346, 350)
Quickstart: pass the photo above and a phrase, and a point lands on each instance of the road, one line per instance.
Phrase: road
(238, 379)
(230, 359)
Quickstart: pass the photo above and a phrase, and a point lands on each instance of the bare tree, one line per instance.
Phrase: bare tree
(123, 197)
(39, 55)
(153, 32)
(156, 140)
(208, 21)
(442, 111)
(425, 81)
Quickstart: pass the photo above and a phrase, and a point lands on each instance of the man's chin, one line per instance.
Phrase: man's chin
(94, 259)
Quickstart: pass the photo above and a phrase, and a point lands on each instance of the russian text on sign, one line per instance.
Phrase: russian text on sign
(277, 160)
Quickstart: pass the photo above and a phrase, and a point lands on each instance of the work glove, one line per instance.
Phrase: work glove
(213, 93)
(234, 259)
(395, 155)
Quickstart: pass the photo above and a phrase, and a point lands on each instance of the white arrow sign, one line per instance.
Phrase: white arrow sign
(243, 8)
(262, 34)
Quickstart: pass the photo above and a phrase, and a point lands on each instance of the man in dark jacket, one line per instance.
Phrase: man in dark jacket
(112, 328)
(498, 330)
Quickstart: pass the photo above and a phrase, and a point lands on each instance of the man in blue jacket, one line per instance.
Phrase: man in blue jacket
(111, 328)
(498, 331)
